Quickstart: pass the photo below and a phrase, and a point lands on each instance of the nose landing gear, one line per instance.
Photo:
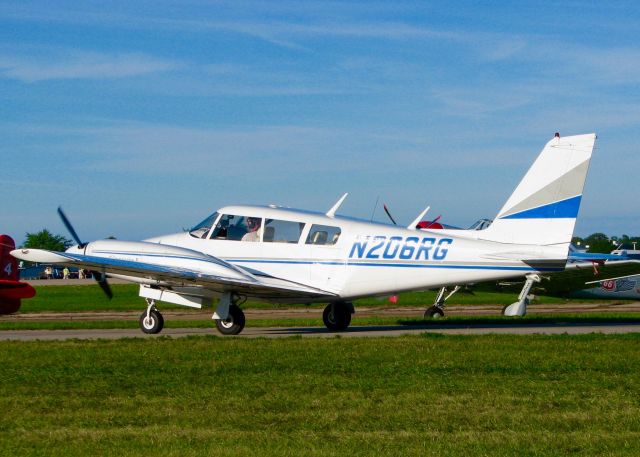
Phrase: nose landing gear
(151, 321)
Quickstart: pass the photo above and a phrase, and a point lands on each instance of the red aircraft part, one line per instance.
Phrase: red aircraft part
(433, 225)
(11, 289)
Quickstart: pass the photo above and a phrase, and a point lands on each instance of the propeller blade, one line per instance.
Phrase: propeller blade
(69, 227)
(101, 279)
(386, 210)
(433, 221)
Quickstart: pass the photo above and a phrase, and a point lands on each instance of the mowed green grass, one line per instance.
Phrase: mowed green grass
(71, 298)
(414, 395)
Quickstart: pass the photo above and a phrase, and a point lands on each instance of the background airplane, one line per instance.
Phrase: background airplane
(295, 256)
(12, 291)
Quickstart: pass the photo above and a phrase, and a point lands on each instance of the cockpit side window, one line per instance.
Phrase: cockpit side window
(235, 228)
(202, 229)
(323, 235)
(279, 231)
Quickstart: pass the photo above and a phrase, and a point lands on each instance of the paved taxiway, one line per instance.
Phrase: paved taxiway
(321, 332)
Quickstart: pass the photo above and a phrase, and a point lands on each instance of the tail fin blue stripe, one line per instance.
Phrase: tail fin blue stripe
(563, 209)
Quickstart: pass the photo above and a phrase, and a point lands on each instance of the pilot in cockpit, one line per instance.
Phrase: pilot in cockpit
(253, 229)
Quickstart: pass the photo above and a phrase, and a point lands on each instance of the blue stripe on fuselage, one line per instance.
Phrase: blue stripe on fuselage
(394, 265)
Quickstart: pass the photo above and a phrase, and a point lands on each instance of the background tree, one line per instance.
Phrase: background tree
(44, 239)
(599, 242)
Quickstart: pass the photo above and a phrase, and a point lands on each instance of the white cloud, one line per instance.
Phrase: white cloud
(80, 65)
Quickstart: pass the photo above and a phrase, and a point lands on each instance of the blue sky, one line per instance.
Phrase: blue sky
(140, 118)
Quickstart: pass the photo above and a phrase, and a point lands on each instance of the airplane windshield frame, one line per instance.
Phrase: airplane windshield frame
(203, 228)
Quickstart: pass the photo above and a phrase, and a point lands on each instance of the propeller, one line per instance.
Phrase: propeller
(70, 228)
(100, 278)
(386, 210)
(433, 221)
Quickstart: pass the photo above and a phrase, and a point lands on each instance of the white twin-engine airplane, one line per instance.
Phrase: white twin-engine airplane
(283, 255)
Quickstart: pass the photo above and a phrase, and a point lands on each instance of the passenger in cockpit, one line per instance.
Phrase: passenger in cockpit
(253, 229)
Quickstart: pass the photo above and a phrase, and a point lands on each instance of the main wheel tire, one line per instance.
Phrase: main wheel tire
(233, 324)
(433, 312)
(153, 324)
(337, 316)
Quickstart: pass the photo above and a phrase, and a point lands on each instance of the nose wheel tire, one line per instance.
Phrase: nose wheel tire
(152, 324)
(336, 316)
(233, 324)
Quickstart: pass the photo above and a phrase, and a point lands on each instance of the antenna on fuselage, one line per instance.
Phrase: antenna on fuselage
(413, 225)
(375, 207)
(334, 208)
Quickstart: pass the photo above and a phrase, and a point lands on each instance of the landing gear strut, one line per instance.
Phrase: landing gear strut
(436, 311)
(337, 315)
(151, 321)
(519, 308)
(229, 317)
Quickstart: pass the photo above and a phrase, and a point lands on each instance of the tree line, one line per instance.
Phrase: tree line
(600, 242)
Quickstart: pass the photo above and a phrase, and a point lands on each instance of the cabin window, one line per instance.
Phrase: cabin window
(278, 231)
(323, 235)
(238, 228)
(202, 229)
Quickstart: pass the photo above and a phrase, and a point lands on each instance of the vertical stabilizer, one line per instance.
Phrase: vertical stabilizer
(543, 208)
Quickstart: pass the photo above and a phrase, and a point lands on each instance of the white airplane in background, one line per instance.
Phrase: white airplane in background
(304, 257)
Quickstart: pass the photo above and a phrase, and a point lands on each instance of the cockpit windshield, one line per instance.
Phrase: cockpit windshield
(202, 229)
(481, 224)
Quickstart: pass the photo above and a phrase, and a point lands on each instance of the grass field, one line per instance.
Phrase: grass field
(426, 395)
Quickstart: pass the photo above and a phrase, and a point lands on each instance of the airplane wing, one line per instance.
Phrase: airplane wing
(202, 270)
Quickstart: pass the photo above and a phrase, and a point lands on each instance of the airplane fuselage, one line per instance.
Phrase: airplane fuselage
(364, 258)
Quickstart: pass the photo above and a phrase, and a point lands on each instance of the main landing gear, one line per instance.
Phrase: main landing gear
(337, 315)
(436, 311)
(519, 308)
(229, 317)
(151, 321)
